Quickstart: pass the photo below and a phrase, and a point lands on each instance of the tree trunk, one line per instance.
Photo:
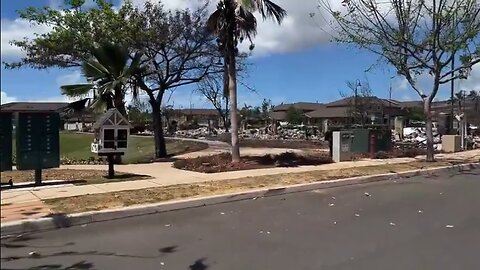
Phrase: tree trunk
(160, 147)
(118, 102)
(232, 90)
(429, 129)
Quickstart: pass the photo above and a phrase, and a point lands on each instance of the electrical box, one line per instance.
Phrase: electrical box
(111, 134)
(5, 142)
(342, 146)
(38, 141)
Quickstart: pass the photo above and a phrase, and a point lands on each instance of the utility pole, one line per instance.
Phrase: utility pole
(357, 84)
(390, 107)
(452, 90)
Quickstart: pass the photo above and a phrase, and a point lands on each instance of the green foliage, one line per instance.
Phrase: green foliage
(294, 116)
(415, 114)
(138, 114)
(173, 45)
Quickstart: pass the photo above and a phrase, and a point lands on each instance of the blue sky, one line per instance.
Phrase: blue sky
(292, 62)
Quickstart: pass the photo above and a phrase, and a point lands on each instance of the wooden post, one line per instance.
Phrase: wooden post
(38, 177)
(111, 162)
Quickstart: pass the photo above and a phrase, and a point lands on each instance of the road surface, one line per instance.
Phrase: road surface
(417, 223)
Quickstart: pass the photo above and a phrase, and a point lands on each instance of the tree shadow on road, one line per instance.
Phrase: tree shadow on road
(83, 265)
(199, 265)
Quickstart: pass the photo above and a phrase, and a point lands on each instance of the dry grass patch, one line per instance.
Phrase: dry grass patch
(153, 195)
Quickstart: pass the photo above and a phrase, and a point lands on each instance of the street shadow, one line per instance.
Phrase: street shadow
(169, 249)
(127, 176)
(41, 255)
(82, 265)
(8, 186)
(199, 265)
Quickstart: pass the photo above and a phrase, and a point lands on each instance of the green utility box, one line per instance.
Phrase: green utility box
(38, 142)
(360, 140)
(5, 142)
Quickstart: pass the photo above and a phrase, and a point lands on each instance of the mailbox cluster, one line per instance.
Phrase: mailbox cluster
(37, 142)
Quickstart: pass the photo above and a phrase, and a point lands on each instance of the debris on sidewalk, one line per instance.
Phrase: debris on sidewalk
(392, 224)
(367, 194)
(449, 226)
(33, 254)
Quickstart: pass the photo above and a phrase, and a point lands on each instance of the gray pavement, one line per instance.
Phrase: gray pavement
(417, 223)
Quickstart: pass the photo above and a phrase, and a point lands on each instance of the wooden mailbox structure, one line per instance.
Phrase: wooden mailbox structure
(111, 134)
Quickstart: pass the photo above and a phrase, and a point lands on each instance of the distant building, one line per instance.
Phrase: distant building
(201, 117)
(72, 119)
(341, 111)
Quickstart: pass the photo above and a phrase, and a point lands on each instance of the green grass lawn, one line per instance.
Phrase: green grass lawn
(140, 149)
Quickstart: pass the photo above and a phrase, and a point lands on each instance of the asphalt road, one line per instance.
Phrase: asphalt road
(417, 223)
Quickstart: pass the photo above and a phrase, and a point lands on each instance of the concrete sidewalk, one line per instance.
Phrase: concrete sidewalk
(163, 174)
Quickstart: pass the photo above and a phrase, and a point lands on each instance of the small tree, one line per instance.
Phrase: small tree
(416, 37)
(360, 101)
(294, 116)
(266, 108)
(212, 88)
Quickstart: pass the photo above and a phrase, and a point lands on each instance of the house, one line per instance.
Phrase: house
(200, 117)
(72, 119)
(279, 113)
(341, 112)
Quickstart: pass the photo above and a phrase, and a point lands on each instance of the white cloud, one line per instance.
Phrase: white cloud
(72, 78)
(298, 30)
(5, 98)
(17, 29)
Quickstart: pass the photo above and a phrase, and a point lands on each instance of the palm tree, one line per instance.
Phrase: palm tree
(109, 73)
(232, 22)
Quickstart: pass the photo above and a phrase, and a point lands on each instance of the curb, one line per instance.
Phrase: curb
(58, 221)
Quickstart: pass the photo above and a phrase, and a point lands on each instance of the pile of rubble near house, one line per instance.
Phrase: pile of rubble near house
(285, 132)
(417, 137)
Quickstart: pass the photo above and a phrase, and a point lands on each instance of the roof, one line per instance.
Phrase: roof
(305, 106)
(34, 107)
(344, 102)
(329, 112)
(278, 115)
(411, 104)
(211, 112)
(111, 118)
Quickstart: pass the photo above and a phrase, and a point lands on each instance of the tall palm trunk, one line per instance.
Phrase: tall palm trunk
(232, 90)
(118, 101)
(229, 55)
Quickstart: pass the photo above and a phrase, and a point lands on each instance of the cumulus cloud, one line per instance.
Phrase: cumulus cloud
(17, 29)
(298, 30)
(5, 98)
(72, 78)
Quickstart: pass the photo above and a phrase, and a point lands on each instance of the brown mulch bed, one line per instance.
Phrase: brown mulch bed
(222, 162)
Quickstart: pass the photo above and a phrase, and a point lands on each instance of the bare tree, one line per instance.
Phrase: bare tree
(417, 37)
(360, 100)
(212, 88)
